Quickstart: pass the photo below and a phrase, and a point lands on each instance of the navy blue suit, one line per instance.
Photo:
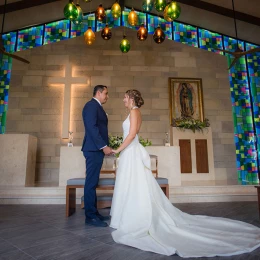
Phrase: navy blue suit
(96, 137)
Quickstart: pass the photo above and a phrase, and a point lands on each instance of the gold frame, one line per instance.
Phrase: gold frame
(172, 102)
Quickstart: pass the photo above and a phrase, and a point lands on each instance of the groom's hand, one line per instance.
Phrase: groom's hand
(107, 150)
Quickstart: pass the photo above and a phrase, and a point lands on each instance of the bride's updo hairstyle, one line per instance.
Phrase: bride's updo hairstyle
(136, 96)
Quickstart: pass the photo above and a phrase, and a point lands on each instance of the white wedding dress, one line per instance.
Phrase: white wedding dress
(146, 219)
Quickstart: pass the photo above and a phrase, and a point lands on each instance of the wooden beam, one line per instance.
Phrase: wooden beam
(222, 11)
(24, 4)
(121, 3)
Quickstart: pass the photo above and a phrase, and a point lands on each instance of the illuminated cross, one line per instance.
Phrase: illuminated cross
(68, 80)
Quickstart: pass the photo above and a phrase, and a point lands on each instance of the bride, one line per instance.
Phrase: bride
(144, 218)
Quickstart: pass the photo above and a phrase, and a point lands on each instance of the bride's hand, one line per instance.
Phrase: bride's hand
(114, 151)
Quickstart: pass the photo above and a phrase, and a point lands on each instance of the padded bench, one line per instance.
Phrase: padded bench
(103, 184)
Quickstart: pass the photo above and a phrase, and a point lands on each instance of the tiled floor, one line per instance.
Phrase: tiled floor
(43, 232)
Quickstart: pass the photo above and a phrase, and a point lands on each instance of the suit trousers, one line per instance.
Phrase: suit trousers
(94, 161)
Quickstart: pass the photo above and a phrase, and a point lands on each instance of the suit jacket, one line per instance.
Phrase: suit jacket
(95, 122)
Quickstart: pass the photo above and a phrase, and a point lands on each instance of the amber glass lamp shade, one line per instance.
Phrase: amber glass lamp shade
(142, 33)
(100, 13)
(89, 36)
(106, 33)
(124, 45)
(132, 18)
(116, 10)
(165, 14)
(70, 11)
(159, 35)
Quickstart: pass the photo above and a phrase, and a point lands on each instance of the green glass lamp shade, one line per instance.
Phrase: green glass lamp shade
(159, 35)
(100, 13)
(142, 33)
(70, 11)
(116, 10)
(125, 45)
(147, 5)
(80, 16)
(106, 33)
(172, 11)
(159, 5)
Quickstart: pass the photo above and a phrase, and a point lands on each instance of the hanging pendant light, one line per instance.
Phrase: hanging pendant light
(70, 11)
(116, 10)
(159, 5)
(159, 35)
(142, 33)
(100, 13)
(89, 36)
(147, 5)
(106, 33)
(87, 1)
(80, 16)
(172, 11)
(165, 15)
(124, 45)
(132, 18)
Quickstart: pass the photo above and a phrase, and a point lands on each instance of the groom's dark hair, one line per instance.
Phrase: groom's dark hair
(98, 88)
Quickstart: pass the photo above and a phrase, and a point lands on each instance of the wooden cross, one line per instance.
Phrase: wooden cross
(68, 80)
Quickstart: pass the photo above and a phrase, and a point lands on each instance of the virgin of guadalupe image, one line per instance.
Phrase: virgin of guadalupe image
(186, 101)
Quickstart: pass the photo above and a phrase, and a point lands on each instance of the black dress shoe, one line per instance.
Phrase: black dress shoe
(103, 218)
(95, 222)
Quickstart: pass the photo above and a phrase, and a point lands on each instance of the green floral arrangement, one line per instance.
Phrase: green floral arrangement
(191, 123)
(144, 142)
(115, 141)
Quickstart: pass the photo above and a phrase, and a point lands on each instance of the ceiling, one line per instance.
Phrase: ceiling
(246, 7)
(216, 15)
(250, 7)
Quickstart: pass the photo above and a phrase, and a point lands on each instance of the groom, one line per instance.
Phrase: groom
(94, 147)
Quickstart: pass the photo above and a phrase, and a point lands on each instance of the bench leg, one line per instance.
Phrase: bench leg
(258, 194)
(70, 201)
(165, 190)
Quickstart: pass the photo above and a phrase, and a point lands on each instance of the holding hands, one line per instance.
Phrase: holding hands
(107, 150)
(115, 151)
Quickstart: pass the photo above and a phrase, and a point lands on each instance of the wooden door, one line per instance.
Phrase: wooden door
(202, 163)
(185, 155)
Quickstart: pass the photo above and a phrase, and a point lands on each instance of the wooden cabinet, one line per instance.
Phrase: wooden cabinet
(196, 154)
(202, 164)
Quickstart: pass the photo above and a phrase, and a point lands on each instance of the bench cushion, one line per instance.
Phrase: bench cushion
(107, 181)
(161, 180)
(81, 181)
(76, 181)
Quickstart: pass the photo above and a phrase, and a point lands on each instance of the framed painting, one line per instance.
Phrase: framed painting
(186, 98)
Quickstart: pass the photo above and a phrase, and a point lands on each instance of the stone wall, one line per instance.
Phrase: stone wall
(35, 106)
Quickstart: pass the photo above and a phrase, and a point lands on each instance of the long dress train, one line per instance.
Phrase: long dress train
(146, 219)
